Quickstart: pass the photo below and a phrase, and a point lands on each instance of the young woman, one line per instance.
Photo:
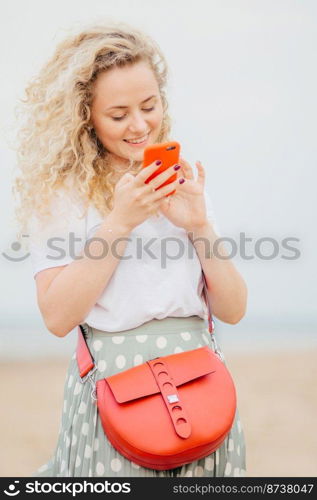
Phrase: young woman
(90, 113)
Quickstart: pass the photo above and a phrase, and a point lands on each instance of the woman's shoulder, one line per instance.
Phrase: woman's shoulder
(66, 208)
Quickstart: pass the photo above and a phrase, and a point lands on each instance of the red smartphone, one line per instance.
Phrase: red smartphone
(168, 153)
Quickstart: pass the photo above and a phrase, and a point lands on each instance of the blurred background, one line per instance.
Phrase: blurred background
(242, 93)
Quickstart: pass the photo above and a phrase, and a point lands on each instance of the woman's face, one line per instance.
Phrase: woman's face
(127, 106)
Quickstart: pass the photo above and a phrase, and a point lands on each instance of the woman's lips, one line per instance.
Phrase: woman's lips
(137, 144)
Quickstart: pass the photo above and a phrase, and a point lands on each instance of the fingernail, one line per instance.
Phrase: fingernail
(177, 167)
(158, 162)
(181, 181)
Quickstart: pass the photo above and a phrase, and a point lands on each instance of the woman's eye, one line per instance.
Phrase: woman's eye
(117, 118)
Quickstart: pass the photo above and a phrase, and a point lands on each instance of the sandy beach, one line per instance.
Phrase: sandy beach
(277, 400)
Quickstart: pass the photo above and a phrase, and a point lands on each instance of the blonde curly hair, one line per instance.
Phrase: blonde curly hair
(56, 141)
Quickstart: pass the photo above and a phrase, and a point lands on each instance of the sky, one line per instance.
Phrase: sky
(242, 93)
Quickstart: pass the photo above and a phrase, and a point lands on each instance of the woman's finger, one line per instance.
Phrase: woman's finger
(201, 176)
(146, 172)
(187, 169)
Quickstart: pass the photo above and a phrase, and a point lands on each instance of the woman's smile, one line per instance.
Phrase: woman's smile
(139, 141)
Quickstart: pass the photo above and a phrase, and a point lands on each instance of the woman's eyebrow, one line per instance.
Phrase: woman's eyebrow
(123, 107)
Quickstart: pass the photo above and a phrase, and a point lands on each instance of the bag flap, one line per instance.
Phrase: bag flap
(138, 382)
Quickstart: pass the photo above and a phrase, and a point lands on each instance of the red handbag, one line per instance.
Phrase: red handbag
(168, 411)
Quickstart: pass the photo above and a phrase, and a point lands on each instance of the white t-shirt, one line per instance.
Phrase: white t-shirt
(154, 279)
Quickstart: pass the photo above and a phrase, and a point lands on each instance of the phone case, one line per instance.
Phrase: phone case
(168, 153)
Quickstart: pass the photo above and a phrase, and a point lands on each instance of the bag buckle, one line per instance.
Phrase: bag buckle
(92, 382)
(216, 349)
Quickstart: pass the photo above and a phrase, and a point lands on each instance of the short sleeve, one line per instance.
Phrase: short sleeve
(58, 240)
(210, 212)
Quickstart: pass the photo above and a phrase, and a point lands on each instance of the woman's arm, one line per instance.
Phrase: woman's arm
(65, 296)
(226, 288)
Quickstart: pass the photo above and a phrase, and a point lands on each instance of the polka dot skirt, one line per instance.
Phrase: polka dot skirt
(84, 451)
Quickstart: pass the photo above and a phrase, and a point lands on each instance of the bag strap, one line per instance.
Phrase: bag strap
(211, 323)
(85, 360)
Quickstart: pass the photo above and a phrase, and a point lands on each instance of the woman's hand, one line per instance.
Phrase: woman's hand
(135, 200)
(186, 208)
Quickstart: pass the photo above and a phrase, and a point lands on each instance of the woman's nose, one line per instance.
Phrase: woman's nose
(138, 124)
